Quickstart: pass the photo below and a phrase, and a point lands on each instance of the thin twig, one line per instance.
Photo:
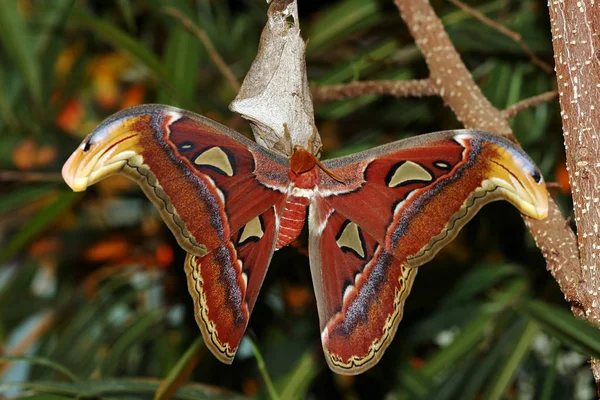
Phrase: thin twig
(510, 112)
(516, 37)
(212, 52)
(23, 176)
(416, 88)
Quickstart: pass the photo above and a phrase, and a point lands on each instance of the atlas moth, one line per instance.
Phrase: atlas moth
(373, 216)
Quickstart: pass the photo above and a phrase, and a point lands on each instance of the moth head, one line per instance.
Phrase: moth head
(106, 150)
(303, 161)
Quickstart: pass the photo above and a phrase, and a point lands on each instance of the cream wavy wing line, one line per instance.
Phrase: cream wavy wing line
(223, 351)
(140, 173)
(509, 175)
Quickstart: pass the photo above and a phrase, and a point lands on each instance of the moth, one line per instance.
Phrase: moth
(373, 216)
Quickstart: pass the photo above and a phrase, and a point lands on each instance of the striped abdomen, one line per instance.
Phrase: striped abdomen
(292, 220)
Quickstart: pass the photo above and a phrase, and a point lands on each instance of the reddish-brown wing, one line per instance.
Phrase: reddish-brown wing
(414, 195)
(216, 179)
(396, 207)
(219, 193)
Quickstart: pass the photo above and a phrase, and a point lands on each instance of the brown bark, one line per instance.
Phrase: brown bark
(576, 41)
(415, 88)
(459, 91)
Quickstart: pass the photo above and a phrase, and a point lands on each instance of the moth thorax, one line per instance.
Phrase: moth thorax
(292, 219)
(301, 162)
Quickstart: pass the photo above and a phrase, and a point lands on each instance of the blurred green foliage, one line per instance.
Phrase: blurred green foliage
(92, 289)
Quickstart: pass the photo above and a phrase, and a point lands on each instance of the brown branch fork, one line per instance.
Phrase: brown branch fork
(572, 261)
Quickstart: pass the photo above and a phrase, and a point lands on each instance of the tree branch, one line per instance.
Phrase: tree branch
(416, 88)
(447, 71)
(505, 31)
(459, 91)
(512, 111)
(576, 42)
(212, 52)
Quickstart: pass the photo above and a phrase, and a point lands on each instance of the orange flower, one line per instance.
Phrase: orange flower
(108, 250)
(417, 363)
(133, 96)
(296, 297)
(67, 58)
(562, 177)
(70, 117)
(164, 255)
(27, 155)
(106, 70)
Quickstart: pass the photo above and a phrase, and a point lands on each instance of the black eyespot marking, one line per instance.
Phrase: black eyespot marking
(86, 146)
(537, 177)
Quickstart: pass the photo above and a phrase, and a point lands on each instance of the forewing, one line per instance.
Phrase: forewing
(414, 195)
(206, 180)
(218, 192)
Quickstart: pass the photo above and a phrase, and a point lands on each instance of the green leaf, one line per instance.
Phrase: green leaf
(477, 280)
(17, 43)
(362, 64)
(454, 383)
(180, 371)
(139, 329)
(516, 354)
(127, 10)
(132, 47)
(95, 388)
(45, 362)
(263, 371)
(86, 333)
(561, 324)
(550, 378)
(296, 383)
(23, 195)
(37, 224)
(341, 20)
(182, 59)
(45, 396)
(55, 14)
